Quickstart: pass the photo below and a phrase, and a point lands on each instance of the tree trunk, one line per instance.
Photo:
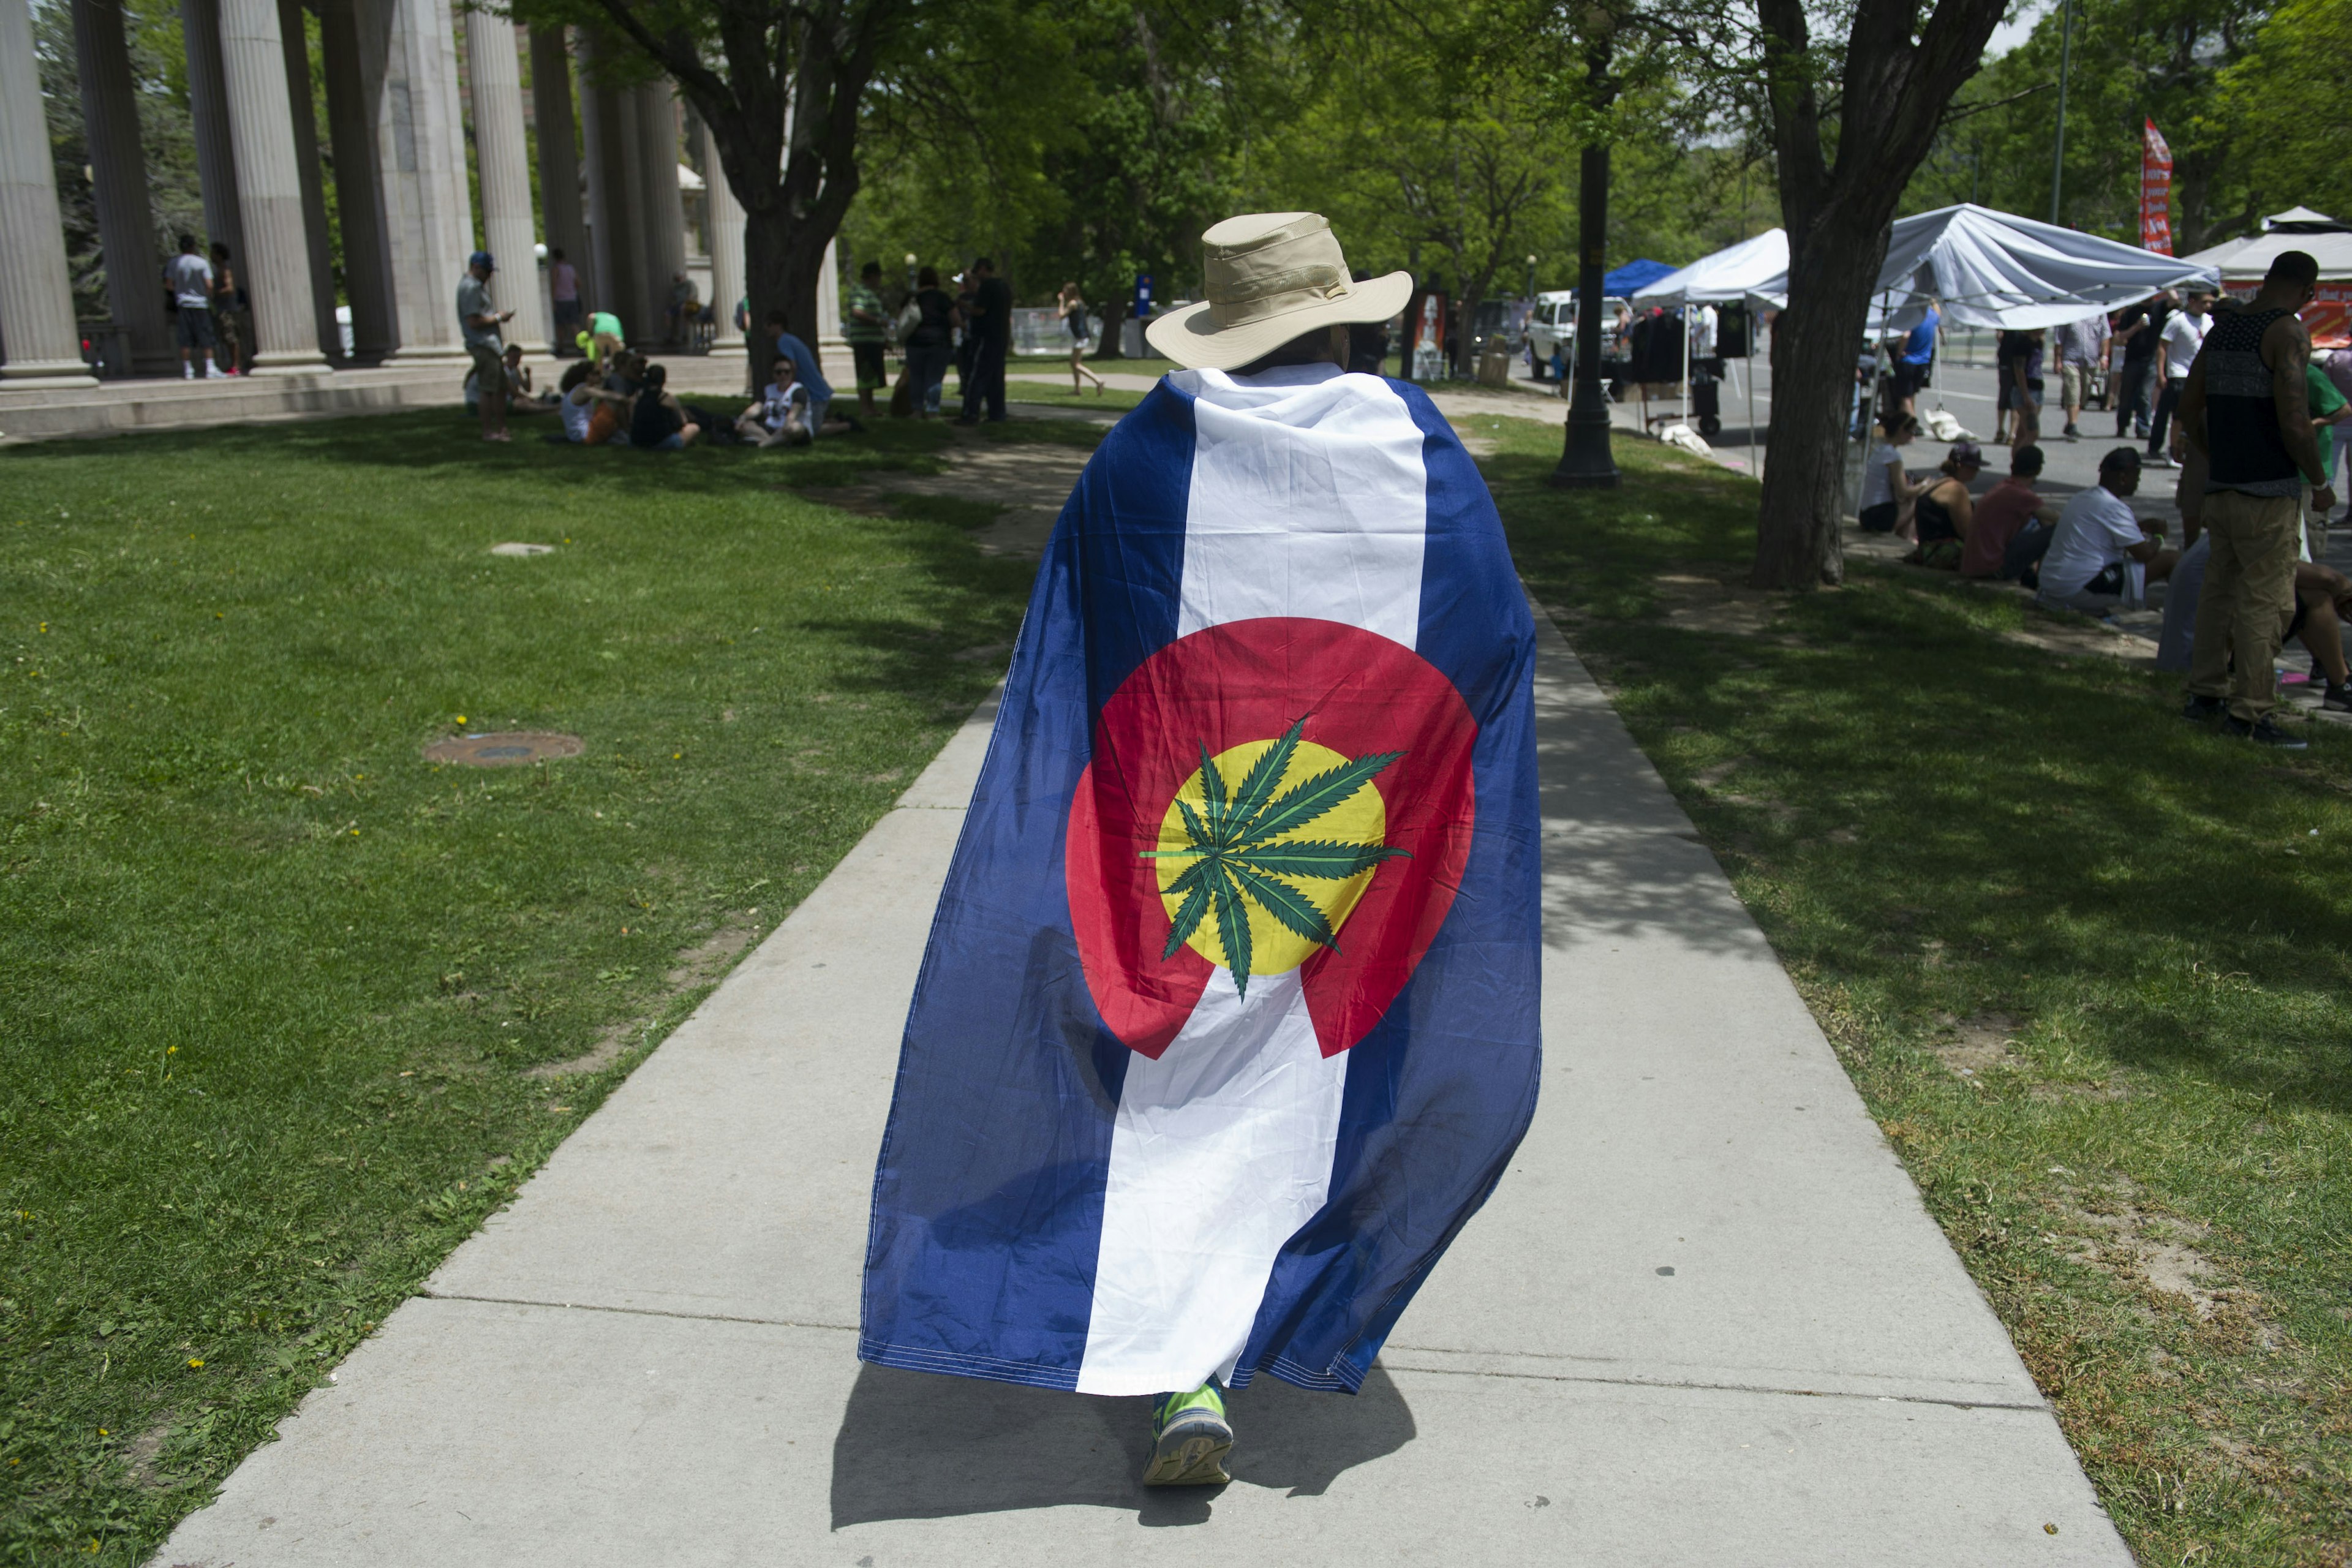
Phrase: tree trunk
(1465, 351)
(1896, 79)
(1114, 321)
(781, 263)
(1800, 541)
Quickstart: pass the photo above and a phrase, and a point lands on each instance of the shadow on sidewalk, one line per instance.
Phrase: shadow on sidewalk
(914, 1446)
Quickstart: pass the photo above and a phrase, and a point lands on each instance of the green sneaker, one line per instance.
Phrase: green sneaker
(1190, 1439)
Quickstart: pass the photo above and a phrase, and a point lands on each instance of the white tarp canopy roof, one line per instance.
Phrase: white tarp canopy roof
(2297, 228)
(1984, 269)
(1729, 274)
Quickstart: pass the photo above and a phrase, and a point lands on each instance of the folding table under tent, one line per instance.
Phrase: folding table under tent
(1725, 276)
(1994, 269)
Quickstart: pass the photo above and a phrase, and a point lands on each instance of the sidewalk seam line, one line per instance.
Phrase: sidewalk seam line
(2041, 1406)
(637, 1312)
(1432, 1371)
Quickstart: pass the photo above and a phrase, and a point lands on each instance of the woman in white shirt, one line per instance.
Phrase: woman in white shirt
(1887, 492)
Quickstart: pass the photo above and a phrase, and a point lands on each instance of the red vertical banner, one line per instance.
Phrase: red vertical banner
(2156, 193)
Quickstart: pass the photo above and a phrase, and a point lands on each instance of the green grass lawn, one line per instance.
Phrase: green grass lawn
(2088, 965)
(278, 998)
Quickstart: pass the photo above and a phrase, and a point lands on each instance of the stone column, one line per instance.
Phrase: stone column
(293, 29)
(828, 304)
(421, 159)
(359, 188)
(37, 331)
(503, 155)
(602, 291)
(662, 210)
(208, 109)
(611, 122)
(559, 155)
(118, 166)
(274, 265)
(725, 215)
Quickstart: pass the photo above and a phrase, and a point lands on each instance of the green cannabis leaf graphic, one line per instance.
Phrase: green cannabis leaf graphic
(1235, 862)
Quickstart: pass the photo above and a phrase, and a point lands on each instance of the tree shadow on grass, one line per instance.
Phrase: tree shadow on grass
(918, 1445)
(1944, 818)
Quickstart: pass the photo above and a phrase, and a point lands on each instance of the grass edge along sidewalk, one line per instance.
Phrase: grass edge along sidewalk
(286, 1008)
(2086, 964)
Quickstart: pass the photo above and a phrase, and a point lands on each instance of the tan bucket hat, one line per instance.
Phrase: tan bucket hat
(1271, 277)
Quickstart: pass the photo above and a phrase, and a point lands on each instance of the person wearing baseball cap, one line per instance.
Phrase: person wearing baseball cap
(2098, 537)
(479, 318)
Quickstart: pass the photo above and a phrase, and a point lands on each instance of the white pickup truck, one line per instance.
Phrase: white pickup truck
(1552, 326)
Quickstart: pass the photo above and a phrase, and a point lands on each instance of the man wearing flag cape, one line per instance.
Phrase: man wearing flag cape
(1228, 1021)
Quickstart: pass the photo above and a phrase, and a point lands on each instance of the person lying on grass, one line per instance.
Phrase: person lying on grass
(781, 417)
(2098, 535)
(1944, 512)
(657, 422)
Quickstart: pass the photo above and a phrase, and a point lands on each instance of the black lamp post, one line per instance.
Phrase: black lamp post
(1585, 463)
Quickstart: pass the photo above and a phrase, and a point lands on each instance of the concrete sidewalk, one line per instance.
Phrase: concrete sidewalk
(1706, 1319)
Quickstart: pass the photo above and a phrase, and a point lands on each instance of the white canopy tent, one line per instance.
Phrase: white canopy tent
(2299, 228)
(1984, 268)
(1729, 274)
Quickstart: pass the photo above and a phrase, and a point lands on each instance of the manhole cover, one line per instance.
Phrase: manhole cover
(504, 749)
(515, 548)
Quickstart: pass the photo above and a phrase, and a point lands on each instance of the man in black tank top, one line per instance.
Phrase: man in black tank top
(2245, 408)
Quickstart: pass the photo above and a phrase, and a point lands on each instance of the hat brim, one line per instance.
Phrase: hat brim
(1192, 339)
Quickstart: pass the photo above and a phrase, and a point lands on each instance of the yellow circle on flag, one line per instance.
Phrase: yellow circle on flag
(1360, 818)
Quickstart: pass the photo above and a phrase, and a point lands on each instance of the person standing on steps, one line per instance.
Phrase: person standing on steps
(563, 290)
(1164, 1120)
(189, 279)
(228, 313)
(481, 321)
(992, 319)
(2246, 408)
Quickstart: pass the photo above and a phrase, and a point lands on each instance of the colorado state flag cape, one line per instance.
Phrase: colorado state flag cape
(1228, 1022)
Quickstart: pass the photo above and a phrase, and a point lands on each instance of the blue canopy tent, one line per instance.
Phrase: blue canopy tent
(1633, 274)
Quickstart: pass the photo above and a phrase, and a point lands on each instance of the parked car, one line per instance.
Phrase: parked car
(1552, 327)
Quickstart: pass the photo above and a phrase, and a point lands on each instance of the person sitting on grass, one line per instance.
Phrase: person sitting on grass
(781, 417)
(2323, 606)
(1887, 492)
(657, 423)
(2001, 517)
(1944, 512)
(586, 400)
(520, 398)
(2098, 535)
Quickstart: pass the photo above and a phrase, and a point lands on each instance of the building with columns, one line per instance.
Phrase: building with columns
(409, 84)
